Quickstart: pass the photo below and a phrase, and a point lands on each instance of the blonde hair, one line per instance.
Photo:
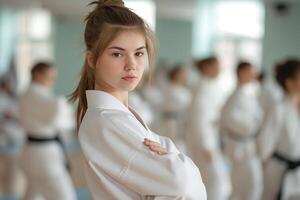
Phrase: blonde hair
(108, 19)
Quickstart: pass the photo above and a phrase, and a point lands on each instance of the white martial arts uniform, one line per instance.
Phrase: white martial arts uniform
(120, 166)
(43, 115)
(240, 122)
(176, 103)
(155, 98)
(11, 132)
(11, 141)
(270, 94)
(203, 137)
(281, 134)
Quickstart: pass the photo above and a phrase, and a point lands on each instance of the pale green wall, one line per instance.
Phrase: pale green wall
(282, 35)
(175, 40)
(68, 51)
(203, 28)
(7, 37)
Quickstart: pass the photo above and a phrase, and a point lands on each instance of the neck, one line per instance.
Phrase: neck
(41, 83)
(120, 95)
(295, 99)
(244, 82)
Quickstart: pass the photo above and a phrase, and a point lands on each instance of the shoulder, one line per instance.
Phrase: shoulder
(109, 123)
(99, 117)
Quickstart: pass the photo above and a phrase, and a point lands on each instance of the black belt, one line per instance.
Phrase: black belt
(32, 139)
(290, 166)
(172, 115)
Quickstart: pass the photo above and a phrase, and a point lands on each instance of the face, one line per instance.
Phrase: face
(121, 65)
(294, 84)
(248, 75)
(180, 77)
(213, 70)
(47, 78)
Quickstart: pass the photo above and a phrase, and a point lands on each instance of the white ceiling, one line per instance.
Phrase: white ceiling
(165, 8)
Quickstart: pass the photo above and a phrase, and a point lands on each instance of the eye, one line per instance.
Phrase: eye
(139, 54)
(116, 55)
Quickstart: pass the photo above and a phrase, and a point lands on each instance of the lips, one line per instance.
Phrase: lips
(129, 78)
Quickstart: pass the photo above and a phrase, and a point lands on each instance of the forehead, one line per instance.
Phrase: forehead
(128, 39)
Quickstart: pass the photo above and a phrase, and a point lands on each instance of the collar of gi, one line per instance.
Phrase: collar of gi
(104, 100)
(101, 99)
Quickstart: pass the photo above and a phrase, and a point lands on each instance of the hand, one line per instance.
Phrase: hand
(155, 147)
(8, 115)
(208, 155)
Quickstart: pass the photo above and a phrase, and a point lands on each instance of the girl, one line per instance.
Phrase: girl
(124, 159)
(278, 142)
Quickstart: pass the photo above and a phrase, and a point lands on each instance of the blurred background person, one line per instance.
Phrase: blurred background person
(153, 93)
(44, 116)
(11, 141)
(203, 137)
(176, 102)
(278, 142)
(140, 104)
(240, 122)
(271, 92)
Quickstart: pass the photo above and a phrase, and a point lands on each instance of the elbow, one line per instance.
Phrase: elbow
(180, 184)
(185, 177)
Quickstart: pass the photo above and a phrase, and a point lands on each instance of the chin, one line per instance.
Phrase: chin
(129, 88)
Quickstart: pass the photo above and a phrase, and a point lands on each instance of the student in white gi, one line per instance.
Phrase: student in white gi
(44, 116)
(278, 142)
(203, 139)
(140, 104)
(176, 103)
(11, 141)
(271, 93)
(124, 159)
(240, 122)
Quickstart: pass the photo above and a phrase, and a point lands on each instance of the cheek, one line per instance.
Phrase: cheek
(142, 65)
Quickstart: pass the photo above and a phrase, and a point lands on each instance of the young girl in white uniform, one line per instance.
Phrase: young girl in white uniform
(278, 142)
(124, 159)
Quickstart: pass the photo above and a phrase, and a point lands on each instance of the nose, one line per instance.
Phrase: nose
(130, 64)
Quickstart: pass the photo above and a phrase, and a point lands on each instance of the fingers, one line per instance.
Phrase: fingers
(148, 142)
(158, 149)
(155, 147)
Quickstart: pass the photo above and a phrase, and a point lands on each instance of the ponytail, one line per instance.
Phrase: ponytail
(86, 82)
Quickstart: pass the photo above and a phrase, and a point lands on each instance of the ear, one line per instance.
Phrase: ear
(90, 59)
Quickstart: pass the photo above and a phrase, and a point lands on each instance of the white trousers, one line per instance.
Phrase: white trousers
(46, 173)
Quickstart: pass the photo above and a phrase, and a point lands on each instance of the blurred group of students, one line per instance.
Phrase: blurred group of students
(246, 143)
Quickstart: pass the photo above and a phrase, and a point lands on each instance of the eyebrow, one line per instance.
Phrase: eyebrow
(121, 49)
